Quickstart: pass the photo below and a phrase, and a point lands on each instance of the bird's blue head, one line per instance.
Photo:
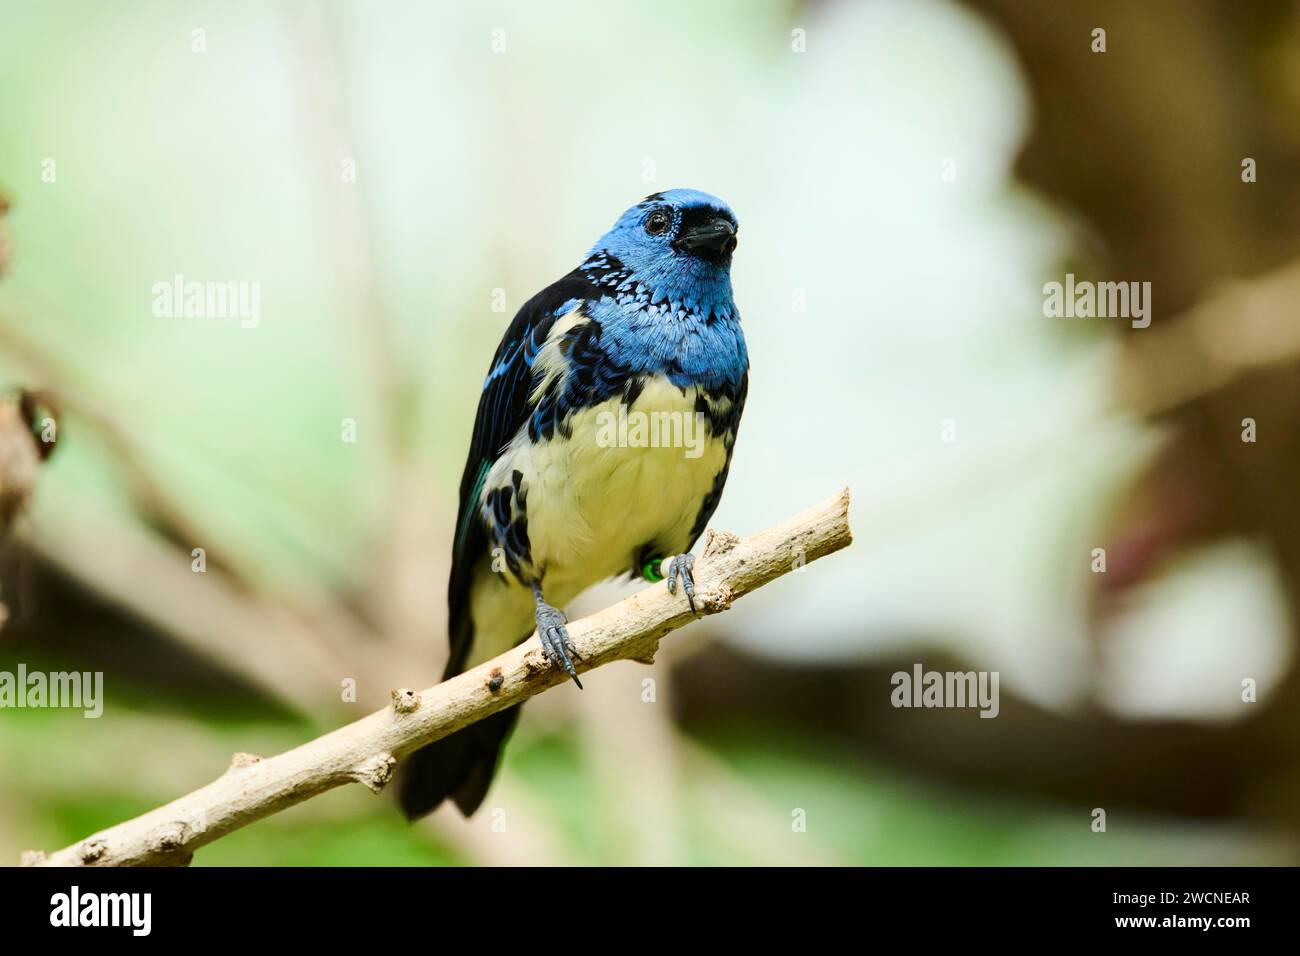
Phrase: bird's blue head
(678, 245)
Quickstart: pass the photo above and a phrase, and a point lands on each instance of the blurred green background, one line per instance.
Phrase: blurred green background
(907, 176)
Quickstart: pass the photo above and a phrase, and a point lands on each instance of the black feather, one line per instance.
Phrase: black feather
(459, 766)
(727, 425)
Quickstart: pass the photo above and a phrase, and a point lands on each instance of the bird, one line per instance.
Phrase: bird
(601, 445)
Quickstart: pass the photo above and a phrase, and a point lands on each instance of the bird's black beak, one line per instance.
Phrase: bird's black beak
(712, 238)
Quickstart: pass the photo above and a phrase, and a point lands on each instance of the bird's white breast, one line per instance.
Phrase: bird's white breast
(610, 480)
(622, 477)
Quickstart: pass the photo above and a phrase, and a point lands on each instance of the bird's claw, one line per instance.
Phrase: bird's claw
(556, 643)
(682, 566)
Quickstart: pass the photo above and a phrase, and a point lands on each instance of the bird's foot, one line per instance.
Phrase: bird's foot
(682, 566)
(556, 643)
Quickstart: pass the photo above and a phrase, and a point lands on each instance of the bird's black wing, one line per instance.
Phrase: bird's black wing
(729, 427)
(503, 409)
(460, 766)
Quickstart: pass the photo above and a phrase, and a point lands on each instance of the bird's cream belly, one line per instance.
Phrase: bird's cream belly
(625, 477)
(594, 499)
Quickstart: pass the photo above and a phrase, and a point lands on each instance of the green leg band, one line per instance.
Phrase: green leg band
(651, 570)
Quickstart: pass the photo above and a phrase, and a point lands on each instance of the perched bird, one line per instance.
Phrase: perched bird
(565, 484)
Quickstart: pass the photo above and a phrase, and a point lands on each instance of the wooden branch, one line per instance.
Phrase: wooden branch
(367, 750)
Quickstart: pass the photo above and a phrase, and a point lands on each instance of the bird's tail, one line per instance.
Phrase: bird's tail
(459, 766)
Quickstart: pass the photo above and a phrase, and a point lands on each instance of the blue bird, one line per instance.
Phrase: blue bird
(602, 442)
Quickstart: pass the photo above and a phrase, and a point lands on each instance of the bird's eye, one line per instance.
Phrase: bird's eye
(657, 222)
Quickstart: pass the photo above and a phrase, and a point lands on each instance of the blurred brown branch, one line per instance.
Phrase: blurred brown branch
(27, 437)
(19, 459)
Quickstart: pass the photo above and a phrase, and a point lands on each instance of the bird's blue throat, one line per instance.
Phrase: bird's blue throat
(672, 318)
